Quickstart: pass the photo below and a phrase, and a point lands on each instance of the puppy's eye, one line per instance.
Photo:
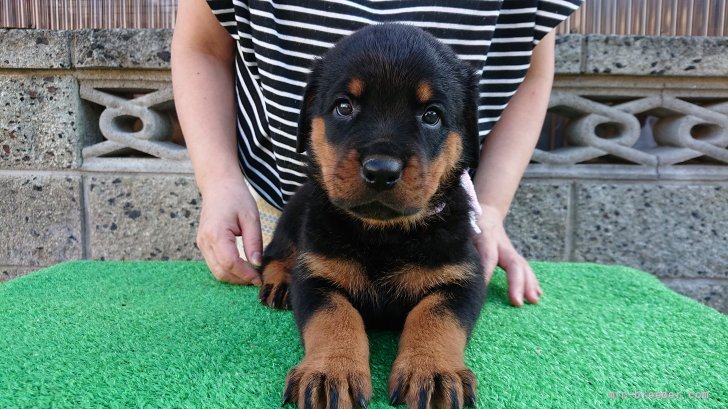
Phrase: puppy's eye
(343, 108)
(431, 117)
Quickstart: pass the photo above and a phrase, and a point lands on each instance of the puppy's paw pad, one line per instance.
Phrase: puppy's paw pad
(329, 384)
(435, 387)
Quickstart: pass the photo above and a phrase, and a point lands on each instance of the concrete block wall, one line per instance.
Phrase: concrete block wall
(57, 205)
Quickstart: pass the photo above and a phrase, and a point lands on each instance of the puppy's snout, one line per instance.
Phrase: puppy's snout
(381, 172)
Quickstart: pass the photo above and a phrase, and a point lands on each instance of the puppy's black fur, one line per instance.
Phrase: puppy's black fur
(379, 237)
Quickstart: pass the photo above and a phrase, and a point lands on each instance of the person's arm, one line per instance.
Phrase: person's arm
(202, 75)
(505, 155)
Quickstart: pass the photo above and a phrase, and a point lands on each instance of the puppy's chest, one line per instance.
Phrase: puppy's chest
(385, 274)
(382, 292)
(378, 284)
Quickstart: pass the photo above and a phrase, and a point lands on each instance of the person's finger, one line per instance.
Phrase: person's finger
(515, 273)
(252, 238)
(488, 250)
(227, 256)
(207, 254)
(220, 274)
(531, 289)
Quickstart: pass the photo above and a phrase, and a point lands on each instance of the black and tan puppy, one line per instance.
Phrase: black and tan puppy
(380, 236)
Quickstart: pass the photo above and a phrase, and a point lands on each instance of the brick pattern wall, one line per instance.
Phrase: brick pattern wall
(63, 200)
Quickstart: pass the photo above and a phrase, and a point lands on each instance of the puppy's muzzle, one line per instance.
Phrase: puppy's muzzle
(381, 172)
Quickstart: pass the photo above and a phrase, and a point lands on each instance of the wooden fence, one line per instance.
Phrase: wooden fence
(629, 17)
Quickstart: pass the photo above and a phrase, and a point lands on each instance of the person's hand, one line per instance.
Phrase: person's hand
(229, 210)
(495, 248)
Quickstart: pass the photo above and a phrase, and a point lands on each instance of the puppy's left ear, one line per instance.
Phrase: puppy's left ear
(305, 116)
(471, 141)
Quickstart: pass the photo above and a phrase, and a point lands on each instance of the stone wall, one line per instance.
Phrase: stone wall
(637, 173)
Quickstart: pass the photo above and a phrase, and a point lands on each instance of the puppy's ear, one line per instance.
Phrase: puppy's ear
(306, 116)
(471, 147)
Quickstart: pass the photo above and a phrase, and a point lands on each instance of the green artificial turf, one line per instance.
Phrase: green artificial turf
(167, 335)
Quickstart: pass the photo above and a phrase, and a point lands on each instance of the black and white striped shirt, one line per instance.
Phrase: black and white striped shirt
(277, 41)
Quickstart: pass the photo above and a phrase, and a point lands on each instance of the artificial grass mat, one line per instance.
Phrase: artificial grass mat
(167, 335)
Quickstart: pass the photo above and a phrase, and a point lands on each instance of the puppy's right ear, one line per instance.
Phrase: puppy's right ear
(306, 115)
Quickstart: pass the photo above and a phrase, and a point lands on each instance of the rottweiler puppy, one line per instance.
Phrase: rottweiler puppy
(380, 236)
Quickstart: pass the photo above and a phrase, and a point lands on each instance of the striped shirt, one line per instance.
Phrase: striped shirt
(278, 40)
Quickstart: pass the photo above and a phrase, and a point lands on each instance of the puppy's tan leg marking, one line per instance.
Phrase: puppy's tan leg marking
(335, 368)
(429, 371)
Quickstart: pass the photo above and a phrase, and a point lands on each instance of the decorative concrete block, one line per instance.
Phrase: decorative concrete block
(8, 273)
(41, 49)
(536, 223)
(713, 293)
(39, 120)
(671, 230)
(679, 56)
(142, 217)
(122, 48)
(40, 219)
(569, 53)
(156, 128)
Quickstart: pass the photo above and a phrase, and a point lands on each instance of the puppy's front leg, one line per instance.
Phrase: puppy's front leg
(429, 371)
(334, 372)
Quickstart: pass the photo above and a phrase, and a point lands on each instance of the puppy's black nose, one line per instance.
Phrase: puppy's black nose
(381, 172)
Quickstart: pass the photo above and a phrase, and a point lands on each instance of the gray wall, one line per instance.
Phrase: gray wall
(71, 190)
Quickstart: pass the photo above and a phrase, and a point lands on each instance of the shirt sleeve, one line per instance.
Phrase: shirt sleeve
(550, 13)
(225, 12)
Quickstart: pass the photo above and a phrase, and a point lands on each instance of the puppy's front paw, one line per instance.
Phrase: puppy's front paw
(422, 382)
(329, 383)
(276, 281)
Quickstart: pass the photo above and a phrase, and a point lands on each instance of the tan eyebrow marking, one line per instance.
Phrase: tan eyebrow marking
(356, 87)
(424, 91)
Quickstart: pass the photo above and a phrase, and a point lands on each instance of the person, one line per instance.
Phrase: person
(239, 69)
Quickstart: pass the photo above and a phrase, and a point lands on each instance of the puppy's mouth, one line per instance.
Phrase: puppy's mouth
(377, 210)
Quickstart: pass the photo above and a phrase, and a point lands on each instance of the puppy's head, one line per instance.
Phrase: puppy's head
(389, 120)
